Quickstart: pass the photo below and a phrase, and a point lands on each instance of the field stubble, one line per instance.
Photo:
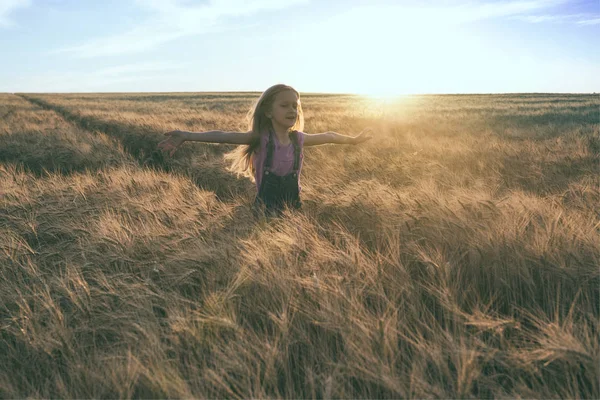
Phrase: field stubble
(454, 255)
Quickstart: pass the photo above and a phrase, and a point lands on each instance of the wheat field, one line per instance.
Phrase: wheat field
(455, 255)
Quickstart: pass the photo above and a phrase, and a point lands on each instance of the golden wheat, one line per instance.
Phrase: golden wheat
(454, 255)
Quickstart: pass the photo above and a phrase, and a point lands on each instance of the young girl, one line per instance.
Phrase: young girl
(273, 147)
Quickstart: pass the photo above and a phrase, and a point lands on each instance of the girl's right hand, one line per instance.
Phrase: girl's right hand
(172, 143)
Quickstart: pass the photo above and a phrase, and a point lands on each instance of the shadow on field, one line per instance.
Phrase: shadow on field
(7, 111)
(38, 154)
(138, 141)
(141, 143)
(547, 177)
(553, 100)
(551, 122)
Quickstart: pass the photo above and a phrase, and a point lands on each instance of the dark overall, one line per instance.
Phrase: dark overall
(278, 191)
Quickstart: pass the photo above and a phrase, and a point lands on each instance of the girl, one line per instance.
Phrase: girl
(273, 147)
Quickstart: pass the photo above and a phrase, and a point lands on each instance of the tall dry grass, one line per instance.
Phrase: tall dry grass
(41, 140)
(455, 255)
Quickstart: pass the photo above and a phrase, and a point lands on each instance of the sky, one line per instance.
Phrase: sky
(373, 47)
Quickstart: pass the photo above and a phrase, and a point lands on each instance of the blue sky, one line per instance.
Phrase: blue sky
(379, 47)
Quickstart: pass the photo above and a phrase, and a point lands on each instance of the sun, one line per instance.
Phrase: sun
(385, 95)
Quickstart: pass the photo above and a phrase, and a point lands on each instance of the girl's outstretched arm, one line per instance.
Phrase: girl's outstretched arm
(177, 138)
(336, 138)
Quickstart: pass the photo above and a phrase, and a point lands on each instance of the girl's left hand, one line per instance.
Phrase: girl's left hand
(363, 136)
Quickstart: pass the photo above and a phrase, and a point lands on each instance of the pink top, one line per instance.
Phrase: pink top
(283, 158)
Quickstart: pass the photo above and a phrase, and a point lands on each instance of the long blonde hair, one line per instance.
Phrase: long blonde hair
(241, 158)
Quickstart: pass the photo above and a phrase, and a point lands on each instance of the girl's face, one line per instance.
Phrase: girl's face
(284, 111)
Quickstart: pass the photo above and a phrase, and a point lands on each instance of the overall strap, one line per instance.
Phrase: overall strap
(270, 148)
(297, 150)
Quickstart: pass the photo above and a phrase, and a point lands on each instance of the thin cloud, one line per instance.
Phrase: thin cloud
(137, 40)
(448, 13)
(579, 19)
(7, 7)
(136, 68)
(594, 21)
(517, 10)
(536, 19)
(422, 16)
(469, 12)
(174, 19)
(101, 78)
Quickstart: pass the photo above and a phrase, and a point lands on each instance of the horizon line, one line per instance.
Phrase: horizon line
(306, 93)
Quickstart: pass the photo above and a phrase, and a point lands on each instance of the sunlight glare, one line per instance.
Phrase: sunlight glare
(396, 51)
